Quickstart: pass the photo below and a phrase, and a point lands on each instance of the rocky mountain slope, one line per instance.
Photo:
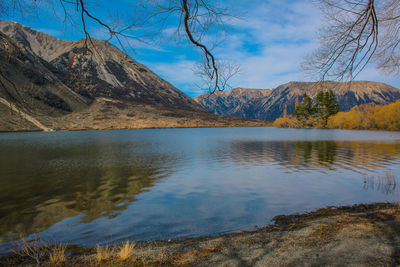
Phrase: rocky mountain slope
(39, 60)
(271, 104)
(239, 102)
(48, 83)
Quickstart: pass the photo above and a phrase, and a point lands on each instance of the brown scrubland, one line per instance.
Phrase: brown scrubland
(113, 114)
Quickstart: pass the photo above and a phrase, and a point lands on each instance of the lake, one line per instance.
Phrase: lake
(97, 187)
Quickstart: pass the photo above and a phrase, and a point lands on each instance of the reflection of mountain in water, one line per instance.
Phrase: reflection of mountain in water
(319, 155)
(42, 186)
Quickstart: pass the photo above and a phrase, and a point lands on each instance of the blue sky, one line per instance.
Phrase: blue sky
(269, 41)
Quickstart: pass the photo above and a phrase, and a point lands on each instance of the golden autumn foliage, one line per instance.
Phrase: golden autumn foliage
(292, 122)
(287, 122)
(368, 116)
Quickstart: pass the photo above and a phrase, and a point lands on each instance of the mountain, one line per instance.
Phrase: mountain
(271, 104)
(105, 72)
(48, 83)
(239, 102)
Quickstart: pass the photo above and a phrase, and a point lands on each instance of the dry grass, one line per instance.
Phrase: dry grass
(131, 117)
(34, 249)
(287, 122)
(38, 250)
(126, 251)
(57, 255)
(188, 257)
(104, 253)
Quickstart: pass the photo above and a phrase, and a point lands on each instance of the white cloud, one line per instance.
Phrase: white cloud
(370, 73)
(277, 64)
(181, 71)
(180, 74)
(270, 45)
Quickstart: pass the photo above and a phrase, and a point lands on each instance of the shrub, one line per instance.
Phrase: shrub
(35, 249)
(57, 254)
(126, 251)
(368, 116)
(287, 123)
(104, 253)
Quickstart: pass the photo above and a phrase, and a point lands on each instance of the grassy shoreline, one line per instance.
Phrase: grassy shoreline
(261, 124)
(105, 114)
(360, 235)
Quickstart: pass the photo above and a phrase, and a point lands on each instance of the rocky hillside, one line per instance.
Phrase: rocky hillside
(47, 84)
(239, 102)
(51, 84)
(271, 104)
(65, 76)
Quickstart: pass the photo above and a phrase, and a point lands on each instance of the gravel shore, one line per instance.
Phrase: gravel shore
(361, 235)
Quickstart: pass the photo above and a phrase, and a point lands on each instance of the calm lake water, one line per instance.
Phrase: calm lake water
(95, 187)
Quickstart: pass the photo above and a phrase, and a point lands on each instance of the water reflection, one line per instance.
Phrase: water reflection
(360, 157)
(326, 151)
(89, 187)
(41, 186)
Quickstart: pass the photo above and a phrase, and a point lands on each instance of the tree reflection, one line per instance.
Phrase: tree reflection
(295, 155)
(326, 151)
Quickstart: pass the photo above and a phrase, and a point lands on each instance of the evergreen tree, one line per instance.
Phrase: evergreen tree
(325, 106)
(305, 110)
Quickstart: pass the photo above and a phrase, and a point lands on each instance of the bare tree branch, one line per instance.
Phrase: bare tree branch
(226, 71)
(348, 40)
(207, 54)
(195, 18)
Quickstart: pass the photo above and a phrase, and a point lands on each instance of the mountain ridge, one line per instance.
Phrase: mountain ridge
(52, 84)
(104, 72)
(283, 98)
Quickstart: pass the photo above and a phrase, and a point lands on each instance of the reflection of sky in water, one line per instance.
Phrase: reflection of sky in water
(103, 186)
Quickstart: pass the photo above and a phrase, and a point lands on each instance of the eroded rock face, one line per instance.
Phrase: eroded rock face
(65, 76)
(271, 104)
(239, 102)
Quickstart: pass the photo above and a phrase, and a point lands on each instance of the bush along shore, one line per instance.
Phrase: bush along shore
(360, 235)
(362, 117)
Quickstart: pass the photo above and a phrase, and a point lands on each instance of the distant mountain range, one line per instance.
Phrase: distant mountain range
(49, 83)
(270, 104)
